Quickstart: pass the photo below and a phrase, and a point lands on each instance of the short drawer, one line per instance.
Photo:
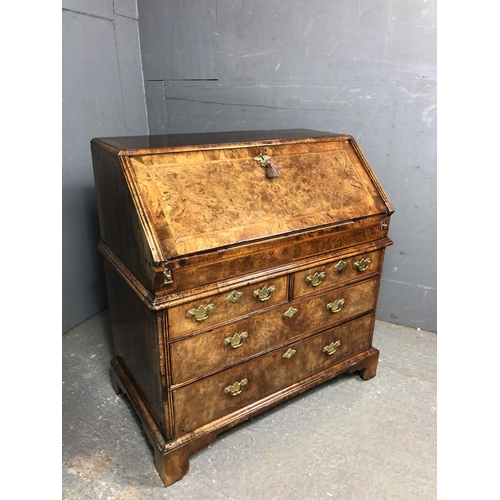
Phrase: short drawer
(203, 354)
(213, 397)
(216, 309)
(336, 272)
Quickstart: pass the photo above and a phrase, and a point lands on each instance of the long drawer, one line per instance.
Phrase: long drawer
(223, 393)
(208, 352)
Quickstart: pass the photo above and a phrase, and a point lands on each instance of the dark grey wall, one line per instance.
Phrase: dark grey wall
(103, 95)
(365, 68)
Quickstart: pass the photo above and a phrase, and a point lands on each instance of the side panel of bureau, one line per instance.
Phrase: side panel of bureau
(137, 336)
(120, 227)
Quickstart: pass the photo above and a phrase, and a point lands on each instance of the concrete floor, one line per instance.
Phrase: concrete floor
(348, 439)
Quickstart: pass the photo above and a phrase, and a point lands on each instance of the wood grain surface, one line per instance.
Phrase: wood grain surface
(332, 275)
(209, 199)
(205, 400)
(225, 310)
(205, 353)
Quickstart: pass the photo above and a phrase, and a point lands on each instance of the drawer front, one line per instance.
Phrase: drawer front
(336, 272)
(202, 314)
(203, 354)
(211, 398)
(208, 352)
(331, 307)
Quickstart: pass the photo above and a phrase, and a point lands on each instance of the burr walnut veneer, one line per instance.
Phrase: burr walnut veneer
(242, 269)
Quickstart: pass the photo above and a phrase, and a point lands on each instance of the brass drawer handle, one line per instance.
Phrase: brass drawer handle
(264, 293)
(234, 296)
(236, 388)
(362, 265)
(331, 348)
(201, 313)
(288, 354)
(236, 340)
(340, 265)
(335, 306)
(315, 279)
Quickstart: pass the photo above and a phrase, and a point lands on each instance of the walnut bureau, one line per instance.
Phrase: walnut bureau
(242, 268)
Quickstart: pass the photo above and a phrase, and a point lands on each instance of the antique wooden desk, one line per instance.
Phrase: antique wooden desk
(242, 269)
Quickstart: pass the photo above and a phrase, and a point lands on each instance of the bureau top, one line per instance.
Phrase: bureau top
(154, 143)
(193, 193)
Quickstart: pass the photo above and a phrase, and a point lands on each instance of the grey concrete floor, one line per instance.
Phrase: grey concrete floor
(347, 439)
